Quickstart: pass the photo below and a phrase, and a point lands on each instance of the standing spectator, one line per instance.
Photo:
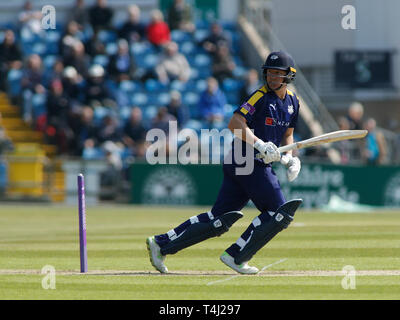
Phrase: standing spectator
(177, 109)
(173, 65)
(121, 66)
(375, 144)
(30, 19)
(212, 102)
(214, 39)
(180, 16)
(58, 109)
(345, 146)
(252, 83)
(134, 133)
(10, 57)
(100, 16)
(78, 59)
(79, 14)
(133, 29)
(355, 116)
(158, 32)
(223, 64)
(32, 82)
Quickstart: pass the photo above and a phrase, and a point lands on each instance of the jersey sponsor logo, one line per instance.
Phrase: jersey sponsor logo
(273, 106)
(273, 122)
(247, 108)
(269, 121)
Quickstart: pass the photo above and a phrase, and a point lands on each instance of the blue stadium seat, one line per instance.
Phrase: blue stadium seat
(49, 61)
(202, 61)
(180, 36)
(124, 113)
(14, 82)
(107, 36)
(200, 34)
(162, 99)
(130, 86)
(149, 112)
(201, 85)
(191, 98)
(99, 113)
(111, 48)
(39, 104)
(139, 99)
(187, 48)
(153, 85)
(229, 85)
(101, 59)
(178, 85)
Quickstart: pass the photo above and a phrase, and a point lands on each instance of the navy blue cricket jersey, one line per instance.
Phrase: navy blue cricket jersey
(268, 115)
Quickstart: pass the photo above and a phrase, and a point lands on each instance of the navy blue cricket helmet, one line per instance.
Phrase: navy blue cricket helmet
(280, 60)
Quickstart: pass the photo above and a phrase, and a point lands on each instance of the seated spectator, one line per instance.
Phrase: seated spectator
(223, 64)
(355, 116)
(375, 144)
(214, 39)
(78, 59)
(55, 73)
(134, 133)
(32, 82)
(212, 102)
(252, 84)
(95, 46)
(180, 16)
(100, 16)
(177, 109)
(73, 84)
(96, 91)
(109, 130)
(10, 57)
(121, 66)
(133, 30)
(158, 32)
(58, 109)
(84, 131)
(72, 35)
(79, 14)
(173, 65)
(162, 119)
(30, 19)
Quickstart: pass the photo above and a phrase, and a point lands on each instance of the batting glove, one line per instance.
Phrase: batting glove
(268, 150)
(293, 166)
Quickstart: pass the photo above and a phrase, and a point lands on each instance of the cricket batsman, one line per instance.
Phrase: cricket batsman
(266, 120)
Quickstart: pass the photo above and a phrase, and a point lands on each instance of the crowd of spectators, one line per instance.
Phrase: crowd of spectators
(78, 84)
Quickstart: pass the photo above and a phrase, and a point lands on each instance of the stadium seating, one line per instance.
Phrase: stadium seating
(151, 94)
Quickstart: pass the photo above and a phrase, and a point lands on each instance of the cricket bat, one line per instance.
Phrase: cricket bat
(325, 138)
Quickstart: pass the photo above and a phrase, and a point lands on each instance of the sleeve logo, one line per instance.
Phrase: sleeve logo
(247, 108)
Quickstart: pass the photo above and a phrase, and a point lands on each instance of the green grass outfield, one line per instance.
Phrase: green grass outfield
(304, 261)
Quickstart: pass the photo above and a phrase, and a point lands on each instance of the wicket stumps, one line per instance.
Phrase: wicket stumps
(82, 223)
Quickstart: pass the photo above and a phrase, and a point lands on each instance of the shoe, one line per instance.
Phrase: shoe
(156, 258)
(243, 268)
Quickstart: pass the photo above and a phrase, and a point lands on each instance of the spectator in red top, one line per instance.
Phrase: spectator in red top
(158, 31)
